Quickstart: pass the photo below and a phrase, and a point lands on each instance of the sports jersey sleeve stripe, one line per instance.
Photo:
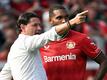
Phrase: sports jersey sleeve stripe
(97, 54)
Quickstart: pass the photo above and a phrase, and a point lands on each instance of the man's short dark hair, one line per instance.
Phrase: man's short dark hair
(25, 17)
(55, 7)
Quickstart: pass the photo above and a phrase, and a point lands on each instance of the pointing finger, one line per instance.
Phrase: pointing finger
(83, 13)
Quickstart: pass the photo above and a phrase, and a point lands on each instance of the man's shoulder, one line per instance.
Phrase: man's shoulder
(77, 34)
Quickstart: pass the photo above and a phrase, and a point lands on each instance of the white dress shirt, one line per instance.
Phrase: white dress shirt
(24, 61)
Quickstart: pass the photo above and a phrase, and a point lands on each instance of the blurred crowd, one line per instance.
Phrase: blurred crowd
(95, 25)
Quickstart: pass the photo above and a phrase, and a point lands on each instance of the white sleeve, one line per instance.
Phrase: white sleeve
(37, 41)
(5, 74)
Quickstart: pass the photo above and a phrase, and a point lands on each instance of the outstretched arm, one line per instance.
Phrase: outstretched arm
(37, 41)
(60, 29)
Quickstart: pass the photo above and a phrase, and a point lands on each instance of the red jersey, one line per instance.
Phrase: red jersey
(66, 59)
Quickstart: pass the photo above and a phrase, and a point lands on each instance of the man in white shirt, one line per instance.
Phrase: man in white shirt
(24, 62)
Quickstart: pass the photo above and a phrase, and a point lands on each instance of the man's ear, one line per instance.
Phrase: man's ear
(22, 26)
(50, 21)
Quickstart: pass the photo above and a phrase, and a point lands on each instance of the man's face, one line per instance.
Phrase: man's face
(59, 16)
(5, 20)
(33, 27)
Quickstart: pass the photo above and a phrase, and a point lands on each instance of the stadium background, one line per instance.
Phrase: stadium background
(95, 25)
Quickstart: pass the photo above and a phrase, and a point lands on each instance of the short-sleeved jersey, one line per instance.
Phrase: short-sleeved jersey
(66, 59)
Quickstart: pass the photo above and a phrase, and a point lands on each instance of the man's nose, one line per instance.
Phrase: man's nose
(64, 20)
(39, 27)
